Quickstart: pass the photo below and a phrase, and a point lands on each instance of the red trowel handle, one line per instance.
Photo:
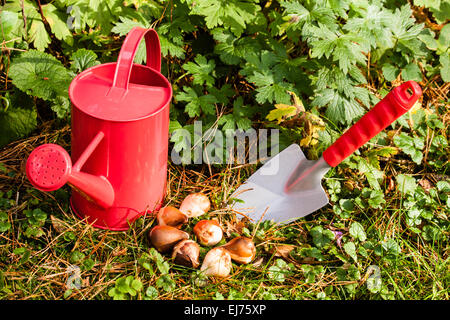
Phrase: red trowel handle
(390, 108)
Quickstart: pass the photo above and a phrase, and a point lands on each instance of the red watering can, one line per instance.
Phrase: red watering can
(120, 130)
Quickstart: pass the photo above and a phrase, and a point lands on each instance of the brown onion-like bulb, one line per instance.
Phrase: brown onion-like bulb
(195, 205)
(186, 253)
(241, 249)
(171, 216)
(217, 263)
(164, 238)
(208, 232)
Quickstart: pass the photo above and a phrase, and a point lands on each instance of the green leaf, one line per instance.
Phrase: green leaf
(61, 106)
(280, 113)
(279, 270)
(312, 252)
(173, 48)
(371, 22)
(227, 46)
(166, 283)
(412, 72)
(406, 184)
(376, 199)
(202, 70)
(444, 38)
(321, 237)
(8, 22)
(57, 22)
(195, 103)
(4, 226)
(123, 27)
(40, 74)
(39, 215)
(410, 145)
(236, 119)
(350, 249)
(443, 186)
(83, 59)
(223, 94)
(372, 174)
(340, 108)
(33, 232)
(37, 32)
(413, 217)
(311, 272)
(88, 264)
(16, 123)
(39, 35)
(24, 253)
(351, 273)
(406, 31)
(390, 72)
(77, 257)
(429, 41)
(67, 293)
(306, 18)
(439, 8)
(152, 293)
(122, 285)
(232, 14)
(163, 266)
(357, 231)
(432, 233)
(136, 284)
(391, 248)
(444, 59)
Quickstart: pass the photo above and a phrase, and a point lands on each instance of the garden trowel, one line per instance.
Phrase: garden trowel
(288, 186)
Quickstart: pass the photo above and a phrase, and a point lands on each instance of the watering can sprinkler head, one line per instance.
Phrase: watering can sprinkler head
(49, 167)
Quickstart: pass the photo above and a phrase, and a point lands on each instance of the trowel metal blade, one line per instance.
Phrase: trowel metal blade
(263, 194)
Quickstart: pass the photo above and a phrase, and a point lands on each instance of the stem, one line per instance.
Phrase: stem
(6, 103)
(41, 13)
(24, 17)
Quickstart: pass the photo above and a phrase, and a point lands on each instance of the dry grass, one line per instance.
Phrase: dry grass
(420, 272)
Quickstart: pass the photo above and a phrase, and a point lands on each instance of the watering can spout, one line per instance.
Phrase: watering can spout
(49, 167)
(95, 188)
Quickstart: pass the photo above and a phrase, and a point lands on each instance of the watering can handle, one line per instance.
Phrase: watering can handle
(128, 51)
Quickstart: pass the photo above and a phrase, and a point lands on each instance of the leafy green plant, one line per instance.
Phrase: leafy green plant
(317, 50)
(311, 272)
(425, 130)
(125, 288)
(349, 273)
(439, 8)
(321, 237)
(24, 254)
(5, 225)
(164, 281)
(413, 146)
(41, 75)
(279, 270)
(36, 219)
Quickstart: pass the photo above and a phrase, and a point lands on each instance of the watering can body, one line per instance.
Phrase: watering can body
(119, 139)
